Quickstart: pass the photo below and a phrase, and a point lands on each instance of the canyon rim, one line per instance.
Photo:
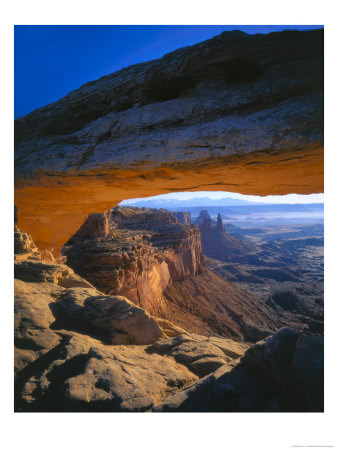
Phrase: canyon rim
(135, 309)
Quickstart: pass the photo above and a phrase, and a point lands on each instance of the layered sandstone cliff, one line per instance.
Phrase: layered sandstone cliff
(183, 217)
(135, 252)
(238, 112)
(156, 262)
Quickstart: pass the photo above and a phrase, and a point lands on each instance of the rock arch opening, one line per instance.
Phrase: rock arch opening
(52, 208)
(237, 113)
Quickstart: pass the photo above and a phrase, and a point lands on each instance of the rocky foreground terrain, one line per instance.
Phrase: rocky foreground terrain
(77, 349)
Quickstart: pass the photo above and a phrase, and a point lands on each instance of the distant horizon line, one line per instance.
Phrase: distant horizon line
(184, 197)
(254, 204)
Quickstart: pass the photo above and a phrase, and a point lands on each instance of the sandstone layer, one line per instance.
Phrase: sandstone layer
(157, 263)
(236, 113)
(135, 252)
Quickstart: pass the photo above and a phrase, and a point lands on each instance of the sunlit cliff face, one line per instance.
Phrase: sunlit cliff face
(53, 209)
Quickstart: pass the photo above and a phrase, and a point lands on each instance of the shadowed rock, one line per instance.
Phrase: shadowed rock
(201, 354)
(282, 373)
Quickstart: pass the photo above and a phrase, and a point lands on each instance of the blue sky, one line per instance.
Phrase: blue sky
(52, 60)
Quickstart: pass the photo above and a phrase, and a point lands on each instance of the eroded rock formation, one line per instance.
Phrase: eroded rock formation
(183, 217)
(238, 112)
(217, 243)
(24, 247)
(135, 252)
(204, 217)
(157, 263)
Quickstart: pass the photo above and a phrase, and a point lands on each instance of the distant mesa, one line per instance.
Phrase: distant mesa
(178, 203)
(204, 215)
(216, 242)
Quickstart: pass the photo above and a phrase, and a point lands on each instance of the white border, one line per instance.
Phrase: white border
(168, 431)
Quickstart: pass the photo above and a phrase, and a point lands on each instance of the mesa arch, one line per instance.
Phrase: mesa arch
(240, 113)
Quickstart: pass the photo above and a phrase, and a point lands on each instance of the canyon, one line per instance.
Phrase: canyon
(157, 262)
(126, 309)
(200, 278)
(78, 350)
(283, 265)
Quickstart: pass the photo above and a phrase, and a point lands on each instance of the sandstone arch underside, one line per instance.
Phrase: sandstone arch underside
(236, 113)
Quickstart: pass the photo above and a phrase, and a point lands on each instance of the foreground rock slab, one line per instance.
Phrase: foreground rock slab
(64, 360)
(202, 355)
(114, 317)
(270, 377)
(87, 376)
(32, 321)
